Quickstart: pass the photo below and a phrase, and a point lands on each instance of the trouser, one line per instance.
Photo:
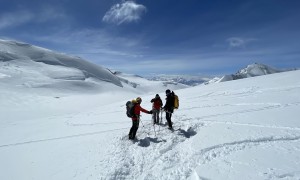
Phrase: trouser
(168, 117)
(134, 128)
(155, 116)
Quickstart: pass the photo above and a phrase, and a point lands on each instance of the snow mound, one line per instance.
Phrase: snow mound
(14, 52)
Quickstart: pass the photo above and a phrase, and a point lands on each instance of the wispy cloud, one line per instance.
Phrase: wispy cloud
(237, 42)
(93, 43)
(125, 12)
(21, 17)
(15, 19)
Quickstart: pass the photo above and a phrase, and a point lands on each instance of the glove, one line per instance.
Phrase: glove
(150, 112)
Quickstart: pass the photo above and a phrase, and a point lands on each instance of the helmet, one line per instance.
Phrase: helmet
(168, 91)
(134, 101)
(138, 100)
(157, 96)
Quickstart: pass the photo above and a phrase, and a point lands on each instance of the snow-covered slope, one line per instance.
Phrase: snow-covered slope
(247, 129)
(19, 54)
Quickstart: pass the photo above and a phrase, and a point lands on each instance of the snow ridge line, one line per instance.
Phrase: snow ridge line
(59, 138)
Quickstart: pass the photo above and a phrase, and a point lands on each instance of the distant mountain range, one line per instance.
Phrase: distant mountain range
(190, 80)
(251, 70)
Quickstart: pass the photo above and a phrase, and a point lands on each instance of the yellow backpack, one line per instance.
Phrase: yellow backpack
(176, 101)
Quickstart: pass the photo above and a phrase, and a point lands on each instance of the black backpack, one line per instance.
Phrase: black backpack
(130, 109)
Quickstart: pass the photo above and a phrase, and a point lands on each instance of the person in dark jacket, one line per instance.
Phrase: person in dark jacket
(157, 104)
(169, 107)
(136, 118)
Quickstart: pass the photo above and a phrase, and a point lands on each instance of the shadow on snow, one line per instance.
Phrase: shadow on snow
(146, 141)
(190, 132)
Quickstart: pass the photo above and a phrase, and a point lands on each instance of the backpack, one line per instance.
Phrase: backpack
(130, 109)
(176, 100)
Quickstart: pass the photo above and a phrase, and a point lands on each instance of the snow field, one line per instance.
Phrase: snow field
(246, 128)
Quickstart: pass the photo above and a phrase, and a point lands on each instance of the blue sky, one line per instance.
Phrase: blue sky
(210, 37)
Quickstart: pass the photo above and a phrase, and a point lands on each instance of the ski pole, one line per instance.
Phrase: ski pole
(161, 112)
(154, 130)
(160, 119)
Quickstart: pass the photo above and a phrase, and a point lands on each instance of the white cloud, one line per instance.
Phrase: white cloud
(127, 11)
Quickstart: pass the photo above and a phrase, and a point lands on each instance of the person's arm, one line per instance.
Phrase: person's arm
(145, 111)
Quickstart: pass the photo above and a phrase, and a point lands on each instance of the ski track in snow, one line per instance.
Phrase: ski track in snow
(60, 138)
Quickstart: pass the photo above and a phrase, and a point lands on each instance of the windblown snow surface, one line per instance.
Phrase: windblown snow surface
(243, 129)
(41, 59)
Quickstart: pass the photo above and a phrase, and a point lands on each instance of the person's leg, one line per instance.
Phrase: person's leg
(136, 126)
(168, 117)
(157, 116)
(155, 119)
(131, 130)
(153, 116)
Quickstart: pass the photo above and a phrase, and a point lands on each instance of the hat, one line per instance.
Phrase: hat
(156, 95)
(168, 91)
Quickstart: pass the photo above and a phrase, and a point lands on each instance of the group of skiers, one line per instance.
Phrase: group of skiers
(157, 107)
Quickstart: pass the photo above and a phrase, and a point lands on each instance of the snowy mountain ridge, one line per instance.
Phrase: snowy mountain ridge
(251, 70)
